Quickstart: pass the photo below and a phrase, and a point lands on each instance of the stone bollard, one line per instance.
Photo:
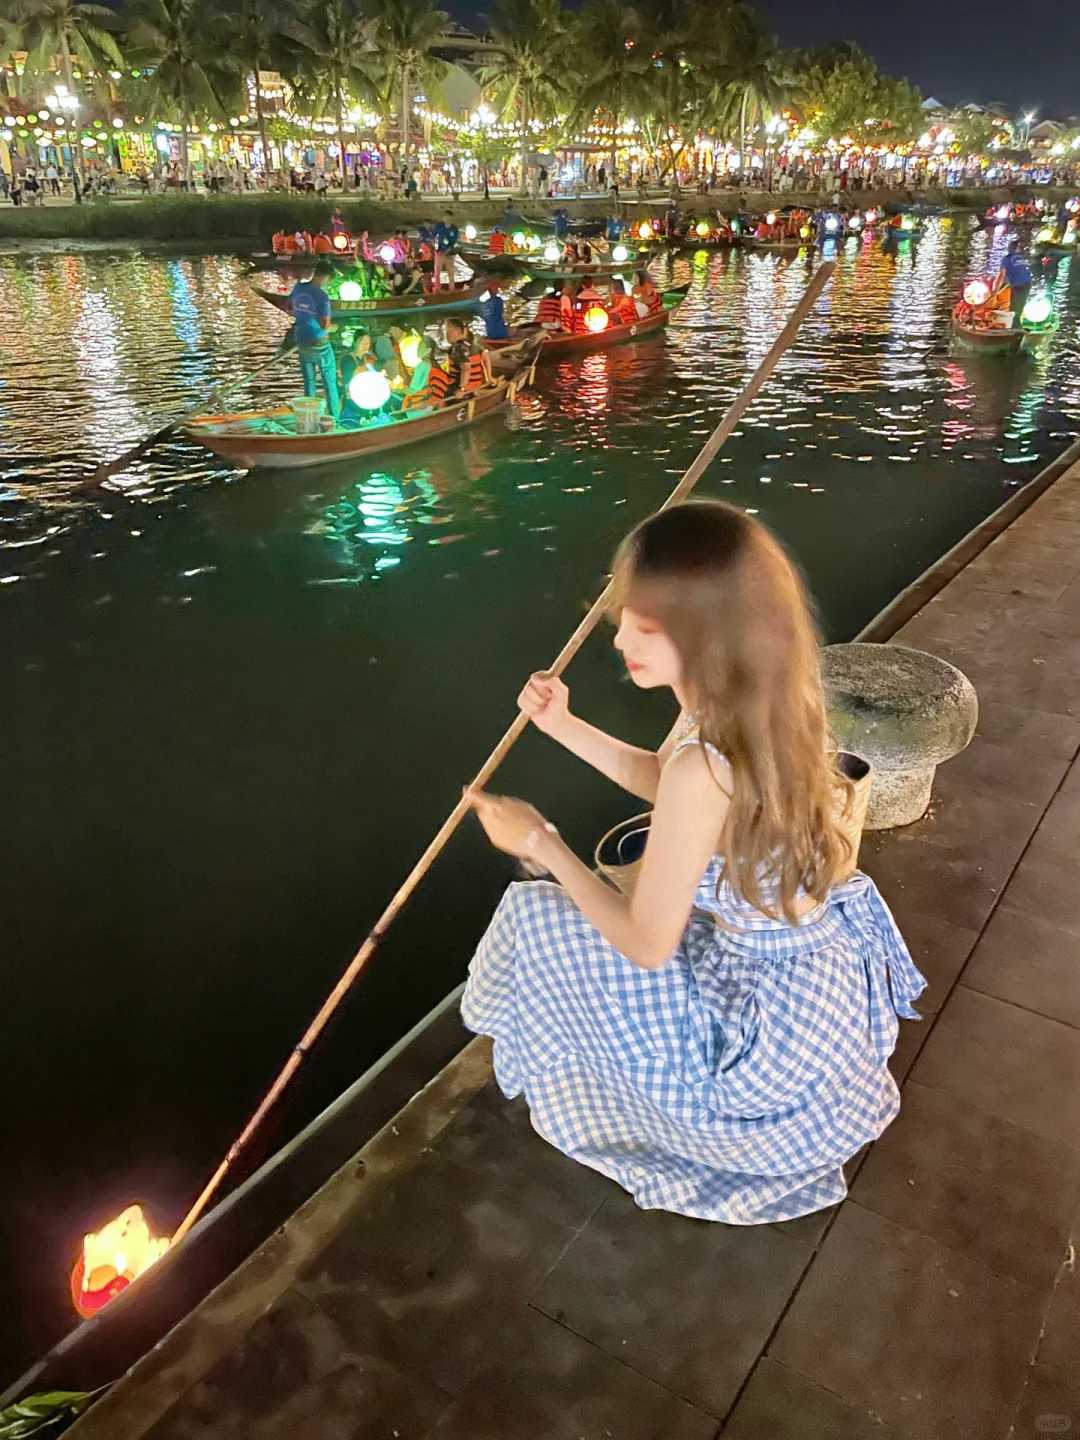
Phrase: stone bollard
(905, 712)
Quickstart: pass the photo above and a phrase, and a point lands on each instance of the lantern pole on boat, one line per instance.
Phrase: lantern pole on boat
(102, 473)
(708, 451)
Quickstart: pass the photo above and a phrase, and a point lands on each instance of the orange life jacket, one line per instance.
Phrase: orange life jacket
(323, 245)
(497, 243)
(280, 243)
(438, 383)
(549, 311)
(623, 310)
(474, 374)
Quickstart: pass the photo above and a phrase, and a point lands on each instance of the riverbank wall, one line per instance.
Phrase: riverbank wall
(248, 221)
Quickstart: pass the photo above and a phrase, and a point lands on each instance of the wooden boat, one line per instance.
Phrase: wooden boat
(558, 275)
(789, 244)
(988, 222)
(459, 297)
(555, 343)
(268, 440)
(988, 339)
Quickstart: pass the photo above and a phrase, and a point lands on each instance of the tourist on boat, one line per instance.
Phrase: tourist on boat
(621, 306)
(468, 362)
(420, 392)
(445, 240)
(496, 242)
(645, 293)
(613, 230)
(566, 304)
(405, 279)
(493, 312)
(1015, 273)
(337, 223)
(716, 1041)
(561, 221)
(310, 306)
(549, 311)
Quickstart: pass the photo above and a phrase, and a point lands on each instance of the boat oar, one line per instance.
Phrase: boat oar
(102, 473)
(708, 451)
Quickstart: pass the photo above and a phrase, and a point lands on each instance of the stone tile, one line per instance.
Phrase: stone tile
(1043, 686)
(1060, 826)
(1069, 599)
(1035, 730)
(893, 1322)
(920, 878)
(1020, 775)
(614, 1286)
(559, 1387)
(488, 1212)
(976, 820)
(1058, 1343)
(779, 1404)
(1028, 962)
(983, 614)
(1047, 885)
(982, 1186)
(1051, 1404)
(1007, 1062)
(909, 1043)
(1006, 569)
(290, 1369)
(940, 951)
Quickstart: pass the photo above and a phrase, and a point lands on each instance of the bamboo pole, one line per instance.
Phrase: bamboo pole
(734, 414)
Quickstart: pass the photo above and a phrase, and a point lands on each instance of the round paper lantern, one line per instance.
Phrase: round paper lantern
(976, 293)
(596, 319)
(702, 227)
(645, 230)
(1002, 212)
(770, 218)
(519, 239)
(410, 349)
(388, 253)
(804, 232)
(832, 224)
(470, 232)
(341, 242)
(1038, 309)
(1045, 235)
(369, 389)
(620, 254)
(855, 222)
(551, 253)
(351, 291)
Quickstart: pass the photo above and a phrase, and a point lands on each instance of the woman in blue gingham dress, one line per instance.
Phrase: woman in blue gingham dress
(717, 1044)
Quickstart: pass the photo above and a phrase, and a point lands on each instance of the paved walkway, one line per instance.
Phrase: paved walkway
(460, 1280)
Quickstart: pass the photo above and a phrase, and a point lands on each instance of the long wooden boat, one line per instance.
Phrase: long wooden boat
(454, 299)
(788, 244)
(268, 440)
(989, 340)
(558, 275)
(988, 222)
(556, 343)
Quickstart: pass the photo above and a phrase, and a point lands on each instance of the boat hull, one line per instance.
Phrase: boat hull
(250, 450)
(462, 297)
(989, 342)
(557, 343)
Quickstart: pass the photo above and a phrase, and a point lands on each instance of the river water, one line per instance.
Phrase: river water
(238, 706)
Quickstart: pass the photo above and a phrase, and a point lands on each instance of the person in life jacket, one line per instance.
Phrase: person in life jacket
(586, 297)
(280, 243)
(496, 242)
(621, 306)
(549, 311)
(420, 391)
(323, 245)
(645, 294)
(469, 365)
(566, 305)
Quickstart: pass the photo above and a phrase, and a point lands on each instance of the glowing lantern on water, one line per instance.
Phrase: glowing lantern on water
(770, 218)
(702, 227)
(1002, 212)
(804, 232)
(470, 232)
(533, 242)
(620, 254)
(111, 1259)
(551, 253)
(645, 230)
(1038, 309)
(832, 224)
(518, 238)
(351, 291)
(387, 253)
(1045, 236)
(369, 389)
(596, 319)
(701, 257)
(410, 349)
(976, 293)
(341, 242)
(1069, 238)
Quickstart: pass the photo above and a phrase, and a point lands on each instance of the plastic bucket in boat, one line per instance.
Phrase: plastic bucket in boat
(308, 411)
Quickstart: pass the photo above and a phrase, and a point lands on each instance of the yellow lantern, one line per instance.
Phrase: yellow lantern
(596, 319)
(410, 349)
(645, 230)
(703, 227)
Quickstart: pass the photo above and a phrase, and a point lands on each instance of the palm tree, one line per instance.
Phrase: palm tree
(265, 35)
(337, 67)
(404, 34)
(754, 84)
(76, 31)
(184, 42)
(611, 63)
(688, 42)
(527, 68)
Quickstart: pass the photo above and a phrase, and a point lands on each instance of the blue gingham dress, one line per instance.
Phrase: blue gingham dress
(731, 1084)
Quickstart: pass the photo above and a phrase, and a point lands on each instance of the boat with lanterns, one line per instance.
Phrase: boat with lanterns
(599, 332)
(1016, 216)
(983, 321)
(297, 437)
(348, 301)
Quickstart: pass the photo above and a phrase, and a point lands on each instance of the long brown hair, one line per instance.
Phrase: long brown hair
(724, 590)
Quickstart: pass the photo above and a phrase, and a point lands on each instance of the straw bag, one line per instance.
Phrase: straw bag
(619, 854)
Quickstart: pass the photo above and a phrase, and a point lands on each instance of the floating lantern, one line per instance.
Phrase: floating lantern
(645, 230)
(388, 253)
(804, 232)
(871, 216)
(1038, 309)
(702, 227)
(832, 224)
(1045, 236)
(1073, 205)
(620, 254)
(596, 319)
(470, 232)
(111, 1259)
(519, 238)
(341, 242)
(410, 349)
(369, 389)
(551, 253)
(770, 218)
(351, 291)
(533, 242)
(976, 293)
(1002, 212)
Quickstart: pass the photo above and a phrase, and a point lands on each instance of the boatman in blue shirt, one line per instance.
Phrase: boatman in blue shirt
(445, 239)
(492, 312)
(310, 307)
(1016, 273)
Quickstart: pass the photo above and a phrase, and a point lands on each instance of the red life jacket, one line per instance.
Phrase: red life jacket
(623, 310)
(549, 311)
(280, 243)
(497, 243)
(323, 245)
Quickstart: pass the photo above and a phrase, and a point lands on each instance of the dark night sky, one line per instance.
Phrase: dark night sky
(1025, 55)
